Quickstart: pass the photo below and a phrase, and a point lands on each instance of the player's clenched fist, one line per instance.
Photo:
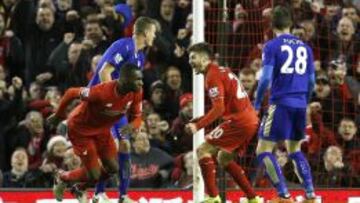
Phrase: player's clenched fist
(191, 128)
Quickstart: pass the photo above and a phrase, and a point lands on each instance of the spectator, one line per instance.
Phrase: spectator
(173, 91)
(157, 98)
(150, 166)
(157, 130)
(94, 39)
(335, 172)
(31, 135)
(318, 137)
(71, 160)
(11, 52)
(332, 107)
(345, 43)
(248, 80)
(181, 141)
(350, 12)
(54, 158)
(347, 132)
(39, 37)
(18, 175)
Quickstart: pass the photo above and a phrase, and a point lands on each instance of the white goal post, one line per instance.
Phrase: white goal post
(198, 101)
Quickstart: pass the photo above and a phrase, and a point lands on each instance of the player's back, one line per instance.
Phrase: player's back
(236, 101)
(104, 107)
(120, 52)
(292, 61)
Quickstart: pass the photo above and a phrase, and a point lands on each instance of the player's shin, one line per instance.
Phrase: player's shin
(239, 176)
(273, 171)
(124, 172)
(303, 171)
(208, 171)
(100, 187)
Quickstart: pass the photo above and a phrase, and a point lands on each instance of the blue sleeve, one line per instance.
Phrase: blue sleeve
(264, 81)
(268, 61)
(311, 86)
(117, 53)
(311, 73)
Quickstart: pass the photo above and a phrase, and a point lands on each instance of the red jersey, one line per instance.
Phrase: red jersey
(101, 108)
(229, 99)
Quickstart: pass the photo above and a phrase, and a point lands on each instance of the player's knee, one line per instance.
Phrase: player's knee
(124, 146)
(224, 158)
(264, 146)
(293, 146)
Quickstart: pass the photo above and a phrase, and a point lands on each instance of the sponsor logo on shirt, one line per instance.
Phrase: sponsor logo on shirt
(84, 92)
(214, 92)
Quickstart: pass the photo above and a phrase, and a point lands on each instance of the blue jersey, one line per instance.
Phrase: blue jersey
(120, 52)
(289, 63)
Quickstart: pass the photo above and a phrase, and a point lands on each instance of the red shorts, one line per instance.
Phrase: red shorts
(92, 148)
(230, 137)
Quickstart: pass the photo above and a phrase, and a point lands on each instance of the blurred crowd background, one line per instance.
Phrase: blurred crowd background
(47, 46)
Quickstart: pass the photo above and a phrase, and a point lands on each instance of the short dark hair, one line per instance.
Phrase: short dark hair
(128, 69)
(142, 24)
(202, 47)
(281, 18)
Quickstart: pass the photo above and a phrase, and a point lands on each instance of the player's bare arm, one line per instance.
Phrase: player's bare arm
(105, 72)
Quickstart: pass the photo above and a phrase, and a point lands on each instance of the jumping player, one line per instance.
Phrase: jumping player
(125, 50)
(89, 123)
(288, 65)
(230, 103)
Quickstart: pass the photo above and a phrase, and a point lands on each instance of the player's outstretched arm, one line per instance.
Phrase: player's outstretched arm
(105, 72)
(311, 86)
(263, 85)
(69, 95)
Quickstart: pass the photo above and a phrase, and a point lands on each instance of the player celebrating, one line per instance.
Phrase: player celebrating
(288, 64)
(231, 103)
(89, 124)
(125, 50)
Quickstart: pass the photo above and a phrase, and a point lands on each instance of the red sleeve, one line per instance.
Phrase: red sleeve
(216, 94)
(69, 95)
(136, 111)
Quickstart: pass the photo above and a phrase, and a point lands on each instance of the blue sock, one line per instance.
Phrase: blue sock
(303, 172)
(100, 187)
(124, 172)
(273, 171)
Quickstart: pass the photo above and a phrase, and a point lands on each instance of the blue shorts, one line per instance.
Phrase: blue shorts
(283, 123)
(115, 129)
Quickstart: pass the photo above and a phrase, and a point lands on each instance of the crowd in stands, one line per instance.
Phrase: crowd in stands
(47, 46)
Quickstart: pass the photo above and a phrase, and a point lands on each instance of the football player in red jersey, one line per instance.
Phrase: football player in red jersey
(240, 122)
(89, 123)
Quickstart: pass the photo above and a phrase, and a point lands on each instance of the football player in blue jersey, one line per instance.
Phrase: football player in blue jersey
(125, 50)
(288, 66)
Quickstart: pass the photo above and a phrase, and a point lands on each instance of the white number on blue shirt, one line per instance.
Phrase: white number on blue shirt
(300, 63)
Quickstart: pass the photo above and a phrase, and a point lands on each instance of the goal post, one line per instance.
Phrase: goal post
(198, 93)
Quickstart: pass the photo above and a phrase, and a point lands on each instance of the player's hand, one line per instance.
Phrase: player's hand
(127, 129)
(191, 128)
(53, 120)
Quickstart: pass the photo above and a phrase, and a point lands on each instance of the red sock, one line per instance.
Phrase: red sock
(208, 171)
(76, 175)
(240, 178)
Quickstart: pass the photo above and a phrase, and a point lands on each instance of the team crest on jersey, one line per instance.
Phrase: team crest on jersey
(118, 58)
(214, 92)
(84, 92)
